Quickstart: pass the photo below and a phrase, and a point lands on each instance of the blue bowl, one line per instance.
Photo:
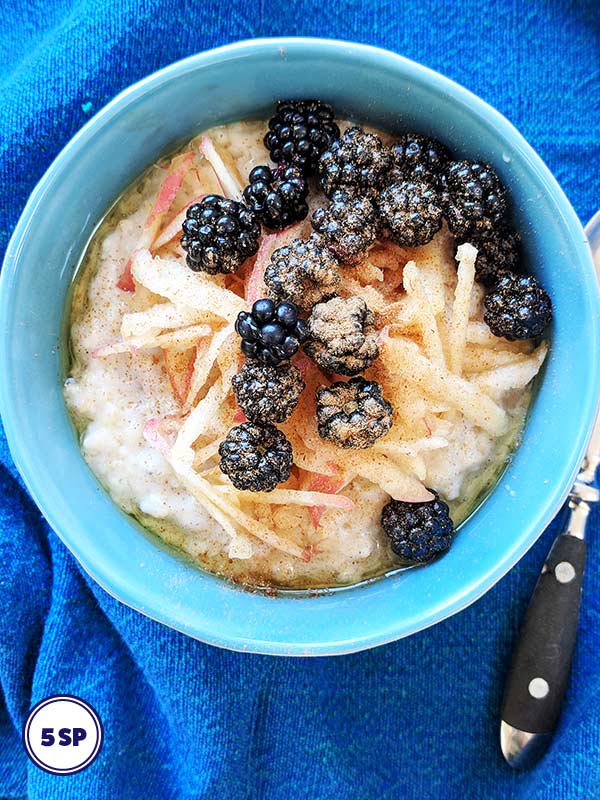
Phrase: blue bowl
(220, 86)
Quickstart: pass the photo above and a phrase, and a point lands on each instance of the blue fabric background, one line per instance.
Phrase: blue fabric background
(415, 719)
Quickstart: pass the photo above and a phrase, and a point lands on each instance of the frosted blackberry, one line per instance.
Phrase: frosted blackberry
(358, 160)
(342, 336)
(497, 253)
(299, 132)
(278, 198)
(219, 235)
(271, 332)
(267, 394)
(420, 157)
(348, 225)
(353, 414)
(474, 199)
(517, 307)
(418, 532)
(304, 271)
(255, 457)
(410, 211)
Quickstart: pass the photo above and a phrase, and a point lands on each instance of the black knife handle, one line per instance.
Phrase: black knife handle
(539, 673)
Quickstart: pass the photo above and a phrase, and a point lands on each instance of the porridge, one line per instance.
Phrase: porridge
(306, 374)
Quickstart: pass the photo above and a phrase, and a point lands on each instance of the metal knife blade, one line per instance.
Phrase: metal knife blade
(592, 456)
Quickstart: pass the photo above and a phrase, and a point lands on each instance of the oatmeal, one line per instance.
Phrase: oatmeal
(259, 396)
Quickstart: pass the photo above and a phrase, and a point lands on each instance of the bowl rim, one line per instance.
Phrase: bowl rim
(65, 525)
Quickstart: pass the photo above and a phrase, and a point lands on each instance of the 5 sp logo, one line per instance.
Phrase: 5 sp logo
(63, 734)
(66, 736)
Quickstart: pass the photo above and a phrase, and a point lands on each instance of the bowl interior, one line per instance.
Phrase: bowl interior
(233, 83)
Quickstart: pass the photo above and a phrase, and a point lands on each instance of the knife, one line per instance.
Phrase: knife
(539, 673)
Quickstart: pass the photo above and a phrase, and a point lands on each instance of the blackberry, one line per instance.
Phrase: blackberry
(299, 132)
(353, 414)
(496, 254)
(278, 198)
(358, 160)
(303, 271)
(418, 532)
(271, 332)
(219, 235)
(410, 211)
(348, 226)
(474, 198)
(517, 307)
(420, 157)
(255, 457)
(267, 394)
(342, 336)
